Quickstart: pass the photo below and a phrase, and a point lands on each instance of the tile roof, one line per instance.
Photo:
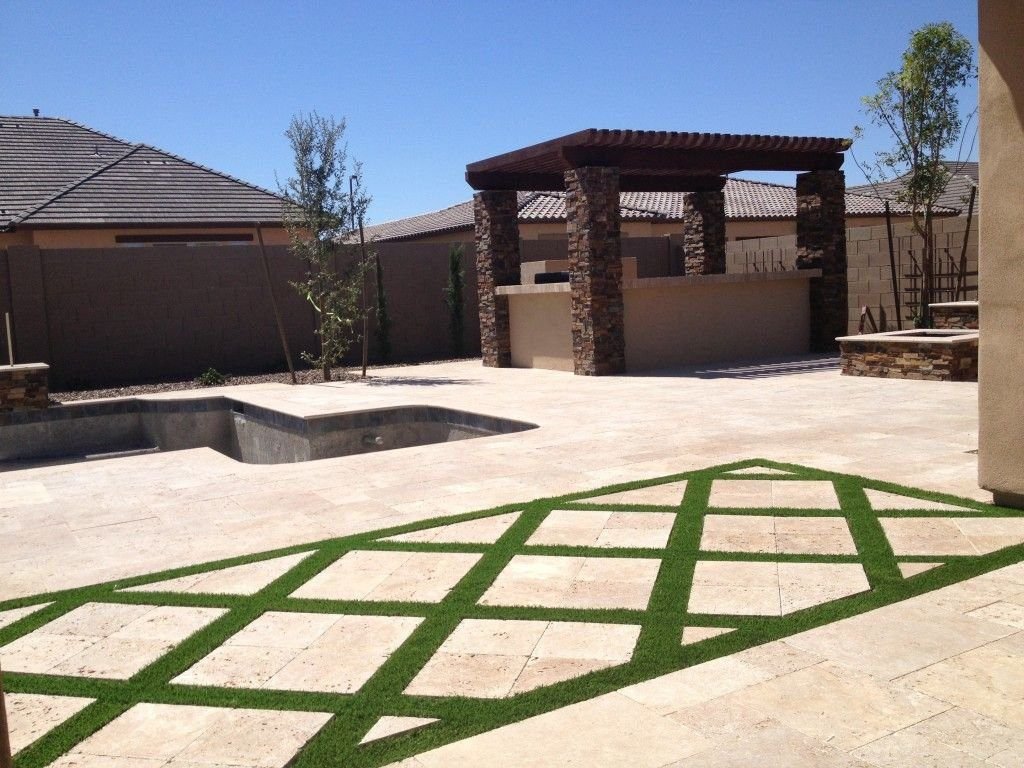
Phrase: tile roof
(963, 176)
(54, 172)
(745, 200)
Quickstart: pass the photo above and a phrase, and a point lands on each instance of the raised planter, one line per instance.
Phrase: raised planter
(954, 314)
(24, 387)
(933, 353)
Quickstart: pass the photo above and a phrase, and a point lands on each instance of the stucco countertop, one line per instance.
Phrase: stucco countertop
(670, 282)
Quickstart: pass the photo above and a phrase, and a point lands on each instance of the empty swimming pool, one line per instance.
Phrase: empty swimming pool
(245, 432)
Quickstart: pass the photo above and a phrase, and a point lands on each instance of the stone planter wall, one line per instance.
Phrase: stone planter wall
(961, 314)
(904, 360)
(24, 386)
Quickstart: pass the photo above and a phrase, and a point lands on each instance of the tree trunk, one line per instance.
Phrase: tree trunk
(928, 270)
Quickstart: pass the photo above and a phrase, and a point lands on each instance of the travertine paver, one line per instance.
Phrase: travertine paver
(666, 494)
(591, 528)
(693, 635)
(777, 494)
(30, 715)
(839, 706)
(952, 535)
(956, 737)
(423, 577)
(105, 639)
(781, 535)
(392, 725)
(883, 500)
(303, 652)
(245, 579)
(179, 736)
(485, 530)
(912, 569)
(770, 589)
(988, 680)
(20, 494)
(759, 471)
(494, 658)
(16, 614)
(574, 582)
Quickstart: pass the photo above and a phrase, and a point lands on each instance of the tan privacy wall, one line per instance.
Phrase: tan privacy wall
(102, 316)
(715, 319)
(540, 329)
(1001, 363)
(867, 255)
(673, 321)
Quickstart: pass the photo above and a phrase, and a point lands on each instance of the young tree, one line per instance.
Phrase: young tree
(453, 299)
(315, 214)
(919, 105)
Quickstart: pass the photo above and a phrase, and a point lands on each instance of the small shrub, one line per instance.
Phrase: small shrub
(211, 377)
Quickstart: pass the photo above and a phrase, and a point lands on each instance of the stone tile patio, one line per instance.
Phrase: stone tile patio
(667, 495)
(485, 658)
(590, 528)
(187, 736)
(422, 577)
(770, 589)
(486, 530)
(777, 535)
(951, 536)
(303, 652)
(105, 640)
(239, 580)
(30, 715)
(63, 524)
(574, 582)
(793, 494)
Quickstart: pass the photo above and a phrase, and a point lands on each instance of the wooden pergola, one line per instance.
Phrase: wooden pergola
(592, 166)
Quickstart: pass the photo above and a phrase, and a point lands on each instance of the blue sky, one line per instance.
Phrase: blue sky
(428, 86)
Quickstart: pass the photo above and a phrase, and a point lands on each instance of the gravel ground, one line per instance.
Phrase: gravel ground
(304, 376)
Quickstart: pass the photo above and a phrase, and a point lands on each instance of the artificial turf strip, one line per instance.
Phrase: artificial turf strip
(657, 652)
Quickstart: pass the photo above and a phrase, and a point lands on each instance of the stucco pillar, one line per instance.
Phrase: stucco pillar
(821, 244)
(704, 232)
(595, 270)
(496, 221)
(1001, 251)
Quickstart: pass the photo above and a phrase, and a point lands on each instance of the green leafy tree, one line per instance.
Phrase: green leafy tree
(453, 299)
(315, 214)
(919, 105)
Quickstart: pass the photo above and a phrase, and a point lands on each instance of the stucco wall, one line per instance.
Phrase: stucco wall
(1001, 356)
(541, 330)
(106, 237)
(715, 321)
(673, 321)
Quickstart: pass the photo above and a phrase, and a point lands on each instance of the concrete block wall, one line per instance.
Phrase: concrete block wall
(867, 254)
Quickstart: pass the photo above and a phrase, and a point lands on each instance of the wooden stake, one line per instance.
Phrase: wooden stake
(892, 268)
(961, 278)
(10, 339)
(273, 302)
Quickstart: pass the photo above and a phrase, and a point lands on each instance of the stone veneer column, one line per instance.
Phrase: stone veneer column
(821, 244)
(595, 271)
(704, 233)
(496, 220)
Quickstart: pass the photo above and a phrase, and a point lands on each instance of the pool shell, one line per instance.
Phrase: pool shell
(925, 353)
(248, 433)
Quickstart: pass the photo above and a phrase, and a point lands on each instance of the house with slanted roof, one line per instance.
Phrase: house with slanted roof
(65, 185)
(963, 177)
(753, 209)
